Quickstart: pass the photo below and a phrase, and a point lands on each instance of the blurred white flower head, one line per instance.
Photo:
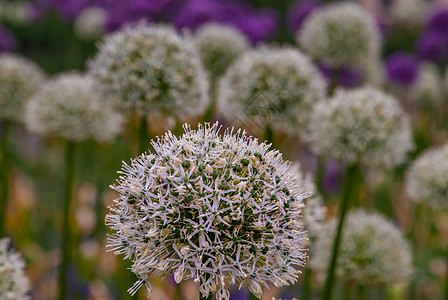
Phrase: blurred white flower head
(20, 78)
(271, 86)
(364, 126)
(183, 210)
(341, 34)
(219, 46)
(409, 14)
(427, 178)
(428, 89)
(16, 12)
(373, 251)
(13, 283)
(146, 68)
(89, 24)
(68, 106)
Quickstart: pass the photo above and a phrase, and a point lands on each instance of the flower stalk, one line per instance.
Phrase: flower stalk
(345, 206)
(143, 138)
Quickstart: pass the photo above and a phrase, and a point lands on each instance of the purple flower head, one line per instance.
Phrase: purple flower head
(68, 9)
(402, 68)
(259, 25)
(433, 45)
(332, 178)
(298, 12)
(197, 12)
(115, 19)
(382, 26)
(438, 20)
(7, 40)
(37, 10)
(347, 76)
(136, 10)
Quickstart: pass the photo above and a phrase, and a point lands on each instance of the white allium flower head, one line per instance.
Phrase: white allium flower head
(374, 73)
(271, 86)
(89, 24)
(15, 12)
(427, 178)
(409, 13)
(68, 106)
(364, 126)
(146, 68)
(429, 86)
(342, 34)
(20, 78)
(372, 252)
(214, 208)
(219, 46)
(13, 283)
(315, 211)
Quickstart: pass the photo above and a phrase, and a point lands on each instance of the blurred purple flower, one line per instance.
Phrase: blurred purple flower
(438, 20)
(259, 25)
(433, 45)
(298, 12)
(133, 11)
(66, 9)
(7, 40)
(402, 68)
(197, 12)
(240, 295)
(332, 179)
(115, 19)
(348, 76)
(381, 25)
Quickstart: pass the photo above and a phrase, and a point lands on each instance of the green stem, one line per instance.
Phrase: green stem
(320, 173)
(268, 135)
(306, 284)
(209, 113)
(345, 205)
(66, 247)
(347, 293)
(209, 297)
(361, 291)
(334, 81)
(143, 139)
(357, 183)
(4, 175)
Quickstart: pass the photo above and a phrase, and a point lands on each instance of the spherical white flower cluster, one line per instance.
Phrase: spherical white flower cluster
(274, 87)
(409, 14)
(211, 208)
(315, 211)
(427, 178)
(149, 68)
(219, 46)
(90, 23)
(68, 107)
(19, 79)
(342, 34)
(372, 252)
(364, 126)
(428, 90)
(13, 283)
